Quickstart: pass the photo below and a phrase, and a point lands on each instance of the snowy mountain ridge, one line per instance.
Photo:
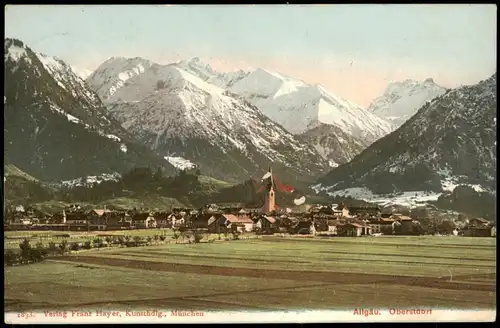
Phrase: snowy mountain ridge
(113, 74)
(197, 67)
(450, 141)
(292, 103)
(299, 107)
(401, 100)
(56, 127)
(178, 113)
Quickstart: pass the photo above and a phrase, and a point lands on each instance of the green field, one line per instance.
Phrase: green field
(13, 238)
(270, 273)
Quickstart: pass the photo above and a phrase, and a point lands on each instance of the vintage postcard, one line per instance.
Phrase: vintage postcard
(224, 164)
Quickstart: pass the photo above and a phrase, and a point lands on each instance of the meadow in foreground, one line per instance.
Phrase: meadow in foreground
(267, 274)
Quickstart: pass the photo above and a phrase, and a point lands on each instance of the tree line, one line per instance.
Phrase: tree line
(137, 180)
(27, 253)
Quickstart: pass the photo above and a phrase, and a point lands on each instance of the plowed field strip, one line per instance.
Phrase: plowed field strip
(491, 276)
(325, 277)
(427, 256)
(184, 256)
(395, 243)
(165, 254)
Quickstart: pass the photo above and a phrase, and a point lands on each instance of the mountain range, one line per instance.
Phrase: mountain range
(450, 141)
(56, 127)
(401, 100)
(189, 111)
(299, 107)
(178, 114)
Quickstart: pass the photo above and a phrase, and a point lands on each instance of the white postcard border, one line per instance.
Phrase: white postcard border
(198, 316)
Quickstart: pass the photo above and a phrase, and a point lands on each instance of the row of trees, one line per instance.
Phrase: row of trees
(27, 254)
(197, 234)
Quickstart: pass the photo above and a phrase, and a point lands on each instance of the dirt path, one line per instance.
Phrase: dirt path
(325, 277)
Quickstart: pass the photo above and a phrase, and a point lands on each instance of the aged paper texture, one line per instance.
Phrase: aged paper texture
(231, 164)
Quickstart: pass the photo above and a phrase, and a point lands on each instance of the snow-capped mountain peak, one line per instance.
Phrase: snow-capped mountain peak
(262, 83)
(82, 73)
(402, 99)
(203, 70)
(299, 107)
(114, 73)
(16, 51)
(199, 65)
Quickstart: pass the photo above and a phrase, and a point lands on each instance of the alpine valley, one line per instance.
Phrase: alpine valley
(69, 126)
(449, 142)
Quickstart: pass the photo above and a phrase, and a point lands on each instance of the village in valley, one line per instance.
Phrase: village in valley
(312, 220)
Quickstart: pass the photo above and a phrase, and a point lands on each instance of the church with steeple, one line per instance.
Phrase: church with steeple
(269, 200)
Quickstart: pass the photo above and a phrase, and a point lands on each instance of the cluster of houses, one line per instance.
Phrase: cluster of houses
(478, 227)
(339, 220)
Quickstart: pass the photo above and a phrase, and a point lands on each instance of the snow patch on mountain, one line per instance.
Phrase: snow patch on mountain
(332, 163)
(54, 66)
(180, 163)
(265, 84)
(90, 180)
(112, 137)
(409, 199)
(70, 117)
(16, 53)
(450, 183)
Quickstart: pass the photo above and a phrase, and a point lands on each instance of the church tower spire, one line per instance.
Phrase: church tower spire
(269, 201)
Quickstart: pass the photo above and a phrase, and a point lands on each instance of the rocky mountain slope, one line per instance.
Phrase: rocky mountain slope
(56, 127)
(401, 100)
(180, 115)
(21, 188)
(333, 144)
(204, 71)
(299, 107)
(450, 141)
(319, 121)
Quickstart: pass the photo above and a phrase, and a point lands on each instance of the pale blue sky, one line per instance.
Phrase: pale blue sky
(454, 44)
